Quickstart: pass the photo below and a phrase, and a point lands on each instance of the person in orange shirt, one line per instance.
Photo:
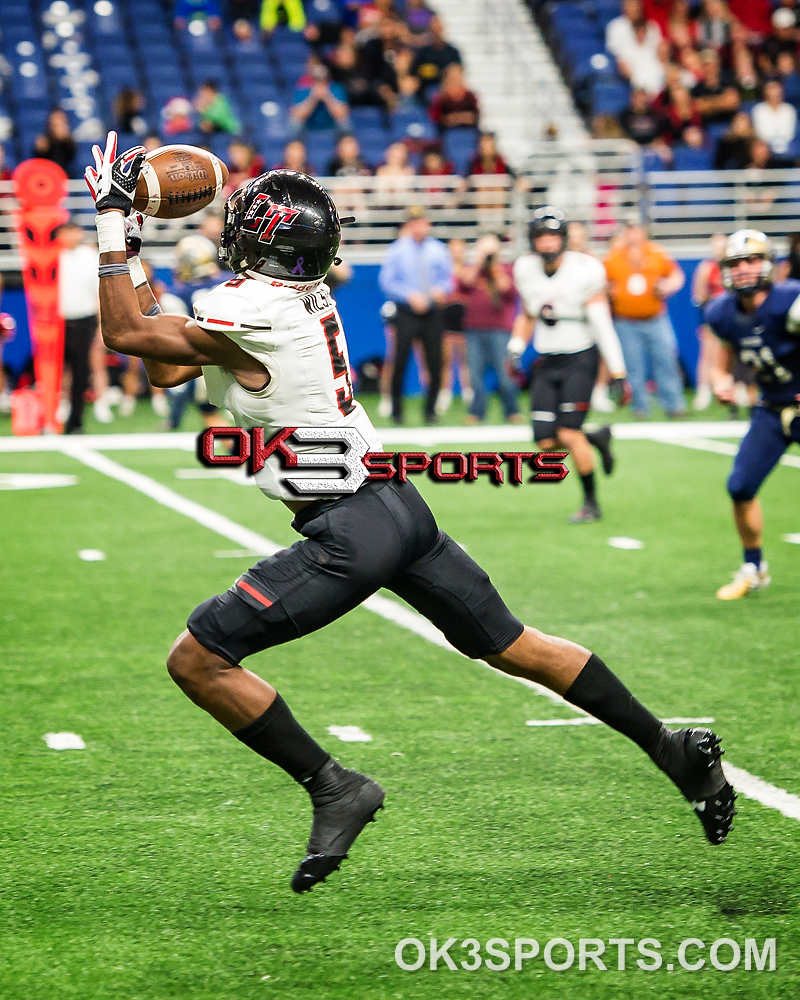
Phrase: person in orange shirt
(641, 277)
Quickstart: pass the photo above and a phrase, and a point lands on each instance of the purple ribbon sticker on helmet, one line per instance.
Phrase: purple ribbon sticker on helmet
(298, 267)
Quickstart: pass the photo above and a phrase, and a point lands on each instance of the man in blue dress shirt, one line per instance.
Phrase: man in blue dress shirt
(418, 276)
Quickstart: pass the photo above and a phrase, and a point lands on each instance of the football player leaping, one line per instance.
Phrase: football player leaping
(566, 310)
(759, 321)
(270, 345)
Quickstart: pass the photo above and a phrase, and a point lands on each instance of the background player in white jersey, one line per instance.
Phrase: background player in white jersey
(270, 345)
(566, 309)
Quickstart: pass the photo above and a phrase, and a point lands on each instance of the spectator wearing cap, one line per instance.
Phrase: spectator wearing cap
(417, 275)
(775, 121)
(641, 278)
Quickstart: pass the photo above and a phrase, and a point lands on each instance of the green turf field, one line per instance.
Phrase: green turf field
(156, 863)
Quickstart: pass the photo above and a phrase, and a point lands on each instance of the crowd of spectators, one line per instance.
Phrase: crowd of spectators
(714, 76)
(388, 55)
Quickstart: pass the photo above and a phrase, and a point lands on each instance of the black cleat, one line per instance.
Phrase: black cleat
(589, 513)
(601, 439)
(344, 802)
(691, 758)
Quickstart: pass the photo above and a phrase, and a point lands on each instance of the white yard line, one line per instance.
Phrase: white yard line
(590, 720)
(720, 448)
(763, 792)
(749, 785)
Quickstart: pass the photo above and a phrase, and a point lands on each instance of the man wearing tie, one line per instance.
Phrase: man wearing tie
(418, 276)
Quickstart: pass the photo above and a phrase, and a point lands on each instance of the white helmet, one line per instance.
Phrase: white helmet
(195, 258)
(744, 244)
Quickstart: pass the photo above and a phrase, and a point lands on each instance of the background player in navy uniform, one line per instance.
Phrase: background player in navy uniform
(270, 345)
(759, 322)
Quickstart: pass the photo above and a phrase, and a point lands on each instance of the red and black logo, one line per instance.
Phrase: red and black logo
(264, 218)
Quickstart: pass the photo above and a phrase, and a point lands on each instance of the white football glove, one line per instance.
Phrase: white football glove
(112, 181)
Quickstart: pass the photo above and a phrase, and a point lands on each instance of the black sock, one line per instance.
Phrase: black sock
(278, 736)
(588, 486)
(597, 691)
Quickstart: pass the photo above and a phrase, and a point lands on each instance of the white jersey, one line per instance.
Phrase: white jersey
(563, 297)
(294, 330)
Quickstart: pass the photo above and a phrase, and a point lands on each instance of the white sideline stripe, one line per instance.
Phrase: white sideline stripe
(750, 786)
(591, 721)
(763, 792)
(183, 441)
(512, 433)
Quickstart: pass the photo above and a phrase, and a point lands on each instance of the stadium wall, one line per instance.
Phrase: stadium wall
(359, 304)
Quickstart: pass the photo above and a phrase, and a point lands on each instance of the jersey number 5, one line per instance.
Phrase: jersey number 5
(344, 397)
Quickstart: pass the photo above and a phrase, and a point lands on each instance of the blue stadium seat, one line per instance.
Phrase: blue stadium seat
(686, 158)
(609, 98)
(459, 145)
(715, 131)
(321, 147)
(367, 116)
(652, 162)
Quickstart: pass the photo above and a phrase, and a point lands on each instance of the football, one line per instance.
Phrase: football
(177, 181)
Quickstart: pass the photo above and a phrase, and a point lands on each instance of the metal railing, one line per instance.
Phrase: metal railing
(597, 183)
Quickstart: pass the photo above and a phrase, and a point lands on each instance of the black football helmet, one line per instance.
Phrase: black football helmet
(282, 224)
(548, 220)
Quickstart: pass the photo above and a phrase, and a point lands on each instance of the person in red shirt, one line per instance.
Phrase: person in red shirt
(486, 159)
(454, 106)
(243, 164)
(755, 15)
(487, 290)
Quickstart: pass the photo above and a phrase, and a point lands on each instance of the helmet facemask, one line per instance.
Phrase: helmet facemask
(750, 245)
(548, 220)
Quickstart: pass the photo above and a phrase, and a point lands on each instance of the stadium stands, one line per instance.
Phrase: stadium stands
(690, 37)
(80, 54)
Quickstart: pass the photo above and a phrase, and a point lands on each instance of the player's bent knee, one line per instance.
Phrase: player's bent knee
(546, 442)
(740, 490)
(190, 664)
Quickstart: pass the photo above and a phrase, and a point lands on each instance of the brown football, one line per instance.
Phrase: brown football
(177, 181)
